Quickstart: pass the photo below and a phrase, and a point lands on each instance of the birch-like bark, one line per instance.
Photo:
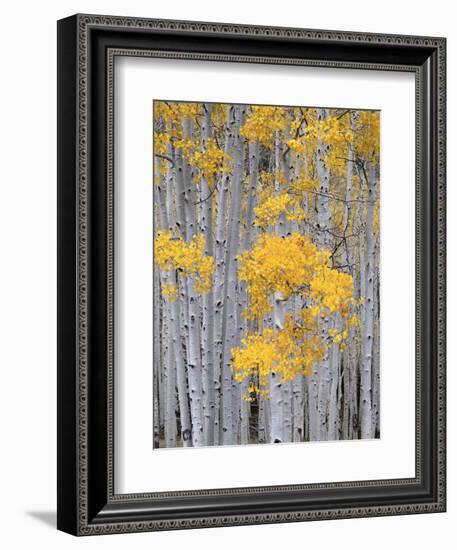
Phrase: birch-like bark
(298, 385)
(248, 239)
(354, 371)
(237, 388)
(219, 276)
(163, 358)
(181, 375)
(176, 217)
(312, 381)
(333, 410)
(206, 228)
(298, 406)
(267, 418)
(170, 427)
(276, 395)
(276, 390)
(167, 406)
(367, 332)
(376, 380)
(323, 224)
(160, 196)
(229, 325)
(349, 354)
(355, 403)
(261, 431)
(170, 368)
(362, 269)
(287, 227)
(179, 192)
(156, 359)
(189, 187)
(305, 417)
(194, 365)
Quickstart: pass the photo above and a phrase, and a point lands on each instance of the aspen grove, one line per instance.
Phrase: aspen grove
(266, 274)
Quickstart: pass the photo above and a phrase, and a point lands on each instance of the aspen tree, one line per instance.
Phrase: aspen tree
(266, 285)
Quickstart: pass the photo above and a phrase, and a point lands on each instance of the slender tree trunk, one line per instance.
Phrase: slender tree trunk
(166, 390)
(229, 332)
(219, 277)
(276, 389)
(299, 384)
(179, 192)
(194, 365)
(248, 238)
(170, 386)
(189, 187)
(305, 417)
(156, 359)
(333, 414)
(367, 336)
(160, 196)
(276, 395)
(181, 375)
(206, 228)
(298, 408)
(176, 216)
(194, 369)
(376, 380)
(237, 388)
(288, 168)
(261, 431)
(324, 224)
(349, 356)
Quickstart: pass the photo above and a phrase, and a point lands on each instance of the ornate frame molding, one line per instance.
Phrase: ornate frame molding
(77, 509)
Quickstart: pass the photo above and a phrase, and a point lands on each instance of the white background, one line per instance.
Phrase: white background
(138, 469)
(28, 280)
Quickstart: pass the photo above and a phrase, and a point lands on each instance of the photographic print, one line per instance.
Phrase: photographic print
(266, 274)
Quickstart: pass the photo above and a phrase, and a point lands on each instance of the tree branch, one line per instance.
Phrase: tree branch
(165, 157)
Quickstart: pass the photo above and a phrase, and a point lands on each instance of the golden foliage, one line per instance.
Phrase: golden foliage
(277, 269)
(210, 162)
(262, 123)
(367, 135)
(288, 352)
(173, 253)
(170, 291)
(279, 264)
(272, 206)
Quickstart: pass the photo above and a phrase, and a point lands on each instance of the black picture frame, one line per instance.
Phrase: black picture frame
(87, 45)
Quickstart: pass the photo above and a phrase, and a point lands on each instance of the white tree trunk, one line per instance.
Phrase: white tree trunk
(367, 333)
(181, 375)
(261, 430)
(167, 385)
(170, 385)
(219, 276)
(156, 360)
(323, 224)
(206, 228)
(298, 405)
(349, 354)
(194, 365)
(333, 409)
(376, 380)
(276, 390)
(229, 325)
(375, 420)
(276, 395)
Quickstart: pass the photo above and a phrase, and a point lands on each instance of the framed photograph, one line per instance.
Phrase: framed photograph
(251, 274)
